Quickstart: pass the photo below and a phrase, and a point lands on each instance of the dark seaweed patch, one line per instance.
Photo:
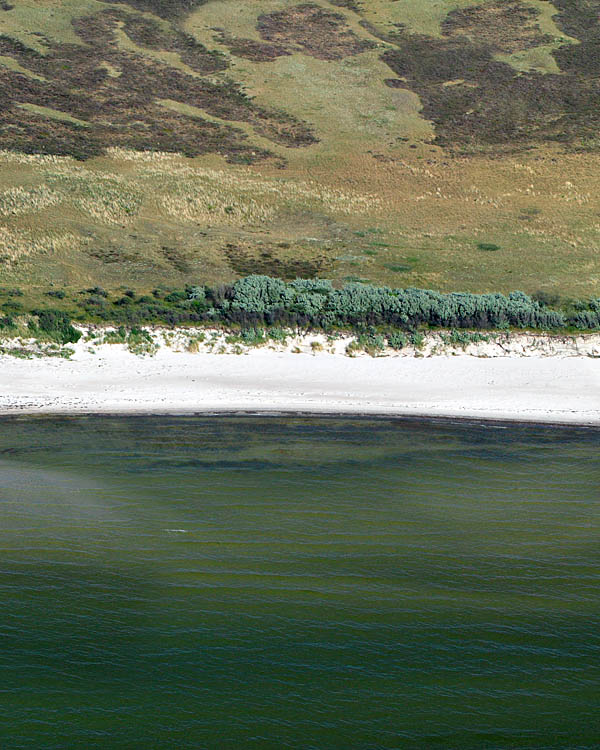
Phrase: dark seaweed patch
(311, 29)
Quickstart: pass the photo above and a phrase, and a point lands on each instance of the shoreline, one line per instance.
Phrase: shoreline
(507, 379)
(498, 422)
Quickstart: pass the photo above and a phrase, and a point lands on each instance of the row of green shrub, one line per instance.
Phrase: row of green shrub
(256, 301)
(262, 300)
(273, 301)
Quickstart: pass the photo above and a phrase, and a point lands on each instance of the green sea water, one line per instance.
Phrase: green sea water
(316, 583)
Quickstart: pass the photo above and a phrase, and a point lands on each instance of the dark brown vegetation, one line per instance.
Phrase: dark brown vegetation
(354, 5)
(124, 109)
(146, 32)
(477, 102)
(275, 261)
(503, 25)
(113, 253)
(581, 19)
(578, 18)
(306, 28)
(172, 9)
(250, 49)
(176, 258)
(313, 30)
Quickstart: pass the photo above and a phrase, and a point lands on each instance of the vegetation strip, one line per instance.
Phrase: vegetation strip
(257, 302)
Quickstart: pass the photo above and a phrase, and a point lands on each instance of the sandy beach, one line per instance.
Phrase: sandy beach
(535, 379)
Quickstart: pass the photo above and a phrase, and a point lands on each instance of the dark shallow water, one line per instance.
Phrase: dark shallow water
(298, 583)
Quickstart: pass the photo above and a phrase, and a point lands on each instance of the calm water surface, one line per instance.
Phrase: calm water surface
(298, 583)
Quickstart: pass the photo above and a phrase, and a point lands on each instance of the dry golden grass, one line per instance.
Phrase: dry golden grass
(19, 200)
(16, 245)
(189, 194)
(405, 220)
(106, 198)
(241, 198)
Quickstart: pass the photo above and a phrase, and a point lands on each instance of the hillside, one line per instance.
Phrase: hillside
(445, 144)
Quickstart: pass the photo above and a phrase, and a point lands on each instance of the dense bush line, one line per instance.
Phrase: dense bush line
(262, 299)
(265, 301)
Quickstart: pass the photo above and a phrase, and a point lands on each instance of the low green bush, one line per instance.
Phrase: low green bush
(253, 336)
(371, 343)
(116, 337)
(463, 338)
(397, 340)
(57, 325)
(140, 342)
(417, 339)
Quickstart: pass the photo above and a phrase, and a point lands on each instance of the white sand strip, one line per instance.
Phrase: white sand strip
(531, 388)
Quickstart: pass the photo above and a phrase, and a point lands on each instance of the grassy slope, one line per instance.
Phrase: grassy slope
(374, 199)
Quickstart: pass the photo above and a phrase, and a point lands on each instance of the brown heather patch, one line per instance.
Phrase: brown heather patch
(177, 259)
(276, 261)
(504, 25)
(581, 19)
(311, 29)
(250, 49)
(493, 107)
(123, 110)
(578, 18)
(306, 28)
(146, 32)
(349, 4)
(171, 9)
(30, 133)
(114, 254)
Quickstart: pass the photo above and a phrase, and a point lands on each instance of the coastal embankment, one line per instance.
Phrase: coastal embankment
(516, 376)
